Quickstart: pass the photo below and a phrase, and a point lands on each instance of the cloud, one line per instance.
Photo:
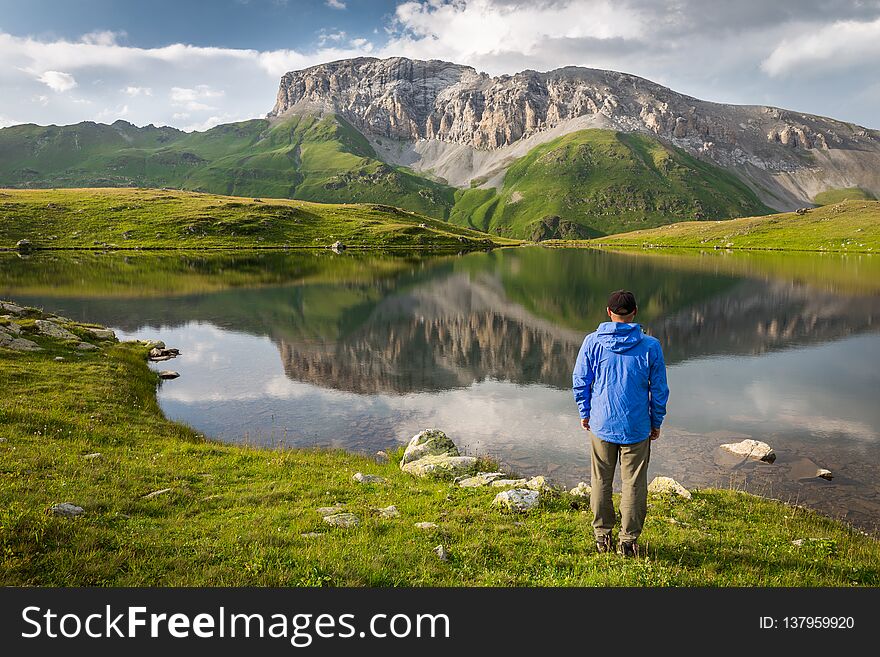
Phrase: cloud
(335, 4)
(57, 80)
(840, 45)
(192, 99)
(138, 91)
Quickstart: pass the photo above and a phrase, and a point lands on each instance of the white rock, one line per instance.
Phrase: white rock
(753, 449)
(92, 456)
(479, 479)
(519, 500)
(825, 474)
(441, 467)
(312, 534)
(156, 493)
(168, 374)
(425, 525)
(362, 478)
(430, 442)
(342, 520)
(581, 490)
(540, 484)
(67, 510)
(389, 511)
(668, 485)
(59, 359)
(505, 483)
(441, 553)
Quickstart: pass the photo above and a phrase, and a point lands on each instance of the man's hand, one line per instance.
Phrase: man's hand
(655, 433)
(585, 423)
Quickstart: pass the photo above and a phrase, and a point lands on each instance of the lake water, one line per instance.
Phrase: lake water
(360, 352)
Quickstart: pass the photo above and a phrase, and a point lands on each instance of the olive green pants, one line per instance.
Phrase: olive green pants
(634, 492)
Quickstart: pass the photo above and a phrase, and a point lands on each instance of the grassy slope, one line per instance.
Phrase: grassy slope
(850, 226)
(149, 218)
(235, 515)
(832, 196)
(605, 182)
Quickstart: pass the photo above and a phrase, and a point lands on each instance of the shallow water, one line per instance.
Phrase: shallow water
(360, 352)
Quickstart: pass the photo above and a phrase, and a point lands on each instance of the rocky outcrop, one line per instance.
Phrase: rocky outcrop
(423, 102)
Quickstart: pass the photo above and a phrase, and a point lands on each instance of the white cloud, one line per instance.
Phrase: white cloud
(192, 99)
(5, 121)
(839, 45)
(57, 80)
(138, 91)
(335, 4)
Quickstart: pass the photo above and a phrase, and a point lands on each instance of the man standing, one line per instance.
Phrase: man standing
(619, 384)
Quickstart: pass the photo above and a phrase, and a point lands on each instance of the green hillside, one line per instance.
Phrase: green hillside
(850, 226)
(831, 196)
(166, 219)
(597, 182)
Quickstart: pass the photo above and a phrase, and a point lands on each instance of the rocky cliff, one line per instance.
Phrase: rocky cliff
(461, 124)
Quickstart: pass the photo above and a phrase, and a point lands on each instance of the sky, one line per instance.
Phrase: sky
(195, 63)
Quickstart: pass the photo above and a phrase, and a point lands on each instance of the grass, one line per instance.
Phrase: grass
(831, 196)
(845, 227)
(236, 515)
(168, 219)
(597, 182)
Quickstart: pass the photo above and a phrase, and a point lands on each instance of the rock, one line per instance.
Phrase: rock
(18, 344)
(67, 510)
(441, 467)
(362, 478)
(101, 333)
(540, 484)
(382, 455)
(92, 456)
(441, 553)
(24, 246)
(311, 534)
(11, 308)
(330, 510)
(158, 354)
(85, 346)
(504, 483)
(430, 442)
(425, 525)
(2, 440)
(753, 449)
(825, 474)
(154, 344)
(168, 374)
(479, 479)
(669, 485)
(52, 330)
(388, 511)
(802, 211)
(338, 246)
(518, 500)
(156, 493)
(342, 520)
(581, 490)
(59, 359)
(11, 327)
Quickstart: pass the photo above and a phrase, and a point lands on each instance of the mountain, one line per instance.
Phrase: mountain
(573, 152)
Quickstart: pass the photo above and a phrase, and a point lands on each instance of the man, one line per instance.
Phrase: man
(619, 384)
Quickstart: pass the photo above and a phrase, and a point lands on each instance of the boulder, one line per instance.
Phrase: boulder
(425, 525)
(441, 467)
(85, 346)
(12, 327)
(344, 519)
(168, 374)
(668, 485)
(479, 479)
(389, 511)
(506, 483)
(330, 510)
(753, 449)
(66, 510)
(824, 474)
(430, 442)
(362, 478)
(518, 500)
(540, 484)
(581, 490)
(101, 333)
(52, 330)
(11, 308)
(18, 344)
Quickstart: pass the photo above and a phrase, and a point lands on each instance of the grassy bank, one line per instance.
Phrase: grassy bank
(170, 219)
(243, 516)
(846, 227)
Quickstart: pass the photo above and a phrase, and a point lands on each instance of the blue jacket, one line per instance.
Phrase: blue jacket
(619, 383)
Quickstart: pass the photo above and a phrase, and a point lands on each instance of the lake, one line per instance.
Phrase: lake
(361, 351)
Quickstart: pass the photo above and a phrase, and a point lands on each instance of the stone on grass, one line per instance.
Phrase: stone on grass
(581, 490)
(18, 344)
(312, 534)
(479, 479)
(505, 483)
(389, 511)
(441, 467)
(753, 449)
(430, 442)
(156, 493)
(382, 455)
(330, 510)
(362, 478)
(11, 308)
(518, 500)
(92, 456)
(59, 359)
(12, 326)
(101, 333)
(52, 330)
(540, 484)
(67, 510)
(425, 525)
(344, 519)
(85, 346)
(668, 485)
(441, 553)
(168, 374)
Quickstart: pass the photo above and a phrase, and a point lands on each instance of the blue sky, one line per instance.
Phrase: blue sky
(193, 64)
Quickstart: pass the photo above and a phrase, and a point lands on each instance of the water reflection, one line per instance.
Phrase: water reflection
(360, 352)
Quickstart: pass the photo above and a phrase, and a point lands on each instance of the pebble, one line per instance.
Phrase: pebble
(67, 510)
(156, 493)
(362, 478)
(441, 553)
(426, 525)
(92, 456)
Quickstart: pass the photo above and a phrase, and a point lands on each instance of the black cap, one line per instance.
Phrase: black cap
(622, 302)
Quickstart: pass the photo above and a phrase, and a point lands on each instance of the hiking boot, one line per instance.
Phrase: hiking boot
(628, 549)
(603, 544)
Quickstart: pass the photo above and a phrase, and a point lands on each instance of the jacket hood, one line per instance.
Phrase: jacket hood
(618, 336)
